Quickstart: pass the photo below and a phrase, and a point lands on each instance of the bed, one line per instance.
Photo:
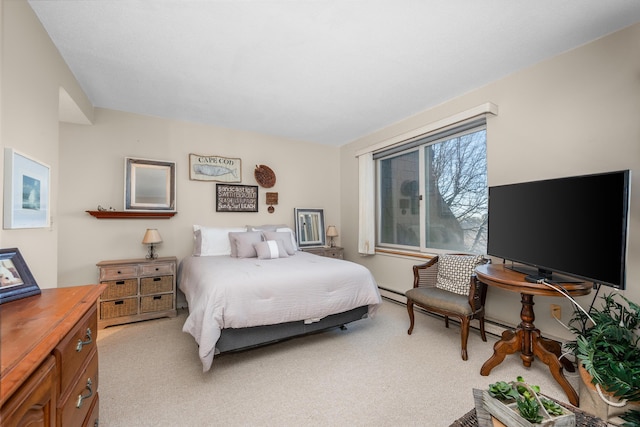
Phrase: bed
(241, 296)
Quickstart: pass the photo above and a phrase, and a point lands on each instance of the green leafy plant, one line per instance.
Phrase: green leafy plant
(607, 345)
(631, 418)
(526, 397)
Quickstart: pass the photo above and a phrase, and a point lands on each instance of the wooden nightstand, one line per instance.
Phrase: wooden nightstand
(137, 289)
(335, 252)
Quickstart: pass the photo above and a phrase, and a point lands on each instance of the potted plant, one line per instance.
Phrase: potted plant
(519, 404)
(607, 352)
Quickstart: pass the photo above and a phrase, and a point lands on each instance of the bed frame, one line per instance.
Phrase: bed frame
(245, 338)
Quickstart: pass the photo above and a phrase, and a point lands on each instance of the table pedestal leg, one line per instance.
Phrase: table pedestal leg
(527, 339)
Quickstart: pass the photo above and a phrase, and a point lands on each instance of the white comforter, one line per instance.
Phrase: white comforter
(225, 292)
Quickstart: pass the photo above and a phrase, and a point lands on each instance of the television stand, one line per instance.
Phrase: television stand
(526, 338)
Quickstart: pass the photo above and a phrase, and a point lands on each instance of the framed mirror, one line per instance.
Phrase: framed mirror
(309, 227)
(149, 185)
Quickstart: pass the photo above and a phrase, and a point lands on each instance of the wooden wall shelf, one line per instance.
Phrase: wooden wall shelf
(131, 214)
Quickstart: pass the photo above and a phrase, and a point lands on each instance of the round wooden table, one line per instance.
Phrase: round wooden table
(526, 338)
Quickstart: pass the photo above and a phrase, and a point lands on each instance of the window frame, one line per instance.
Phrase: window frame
(419, 144)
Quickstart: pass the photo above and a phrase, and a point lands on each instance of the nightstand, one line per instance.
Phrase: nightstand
(335, 252)
(137, 289)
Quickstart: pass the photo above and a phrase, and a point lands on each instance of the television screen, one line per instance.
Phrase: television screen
(575, 226)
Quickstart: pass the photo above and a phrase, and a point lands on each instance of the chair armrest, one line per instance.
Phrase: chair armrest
(424, 275)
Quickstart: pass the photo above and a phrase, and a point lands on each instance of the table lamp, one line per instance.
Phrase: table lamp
(332, 232)
(151, 237)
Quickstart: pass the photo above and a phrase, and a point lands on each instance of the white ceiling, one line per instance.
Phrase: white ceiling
(325, 71)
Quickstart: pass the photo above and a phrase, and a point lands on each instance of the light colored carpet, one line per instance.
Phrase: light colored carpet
(371, 374)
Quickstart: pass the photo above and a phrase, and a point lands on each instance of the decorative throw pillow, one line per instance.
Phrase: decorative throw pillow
(212, 241)
(242, 244)
(283, 236)
(270, 249)
(454, 272)
(291, 234)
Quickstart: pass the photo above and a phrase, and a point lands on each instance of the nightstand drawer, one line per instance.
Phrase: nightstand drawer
(120, 288)
(118, 272)
(118, 308)
(156, 303)
(156, 269)
(156, 285)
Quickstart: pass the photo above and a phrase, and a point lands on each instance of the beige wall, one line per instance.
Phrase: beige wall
(32, 74)
(577, 113)
(92, 174)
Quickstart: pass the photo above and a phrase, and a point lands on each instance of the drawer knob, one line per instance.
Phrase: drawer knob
(81, 398)
(88, 341)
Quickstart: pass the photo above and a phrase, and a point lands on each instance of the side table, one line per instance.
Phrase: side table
(526, 338)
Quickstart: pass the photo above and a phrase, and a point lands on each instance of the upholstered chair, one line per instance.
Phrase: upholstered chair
(447, 285)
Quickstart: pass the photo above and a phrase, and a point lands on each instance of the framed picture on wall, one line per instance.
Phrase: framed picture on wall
(16, 281)
(149, 185)
(26, 191)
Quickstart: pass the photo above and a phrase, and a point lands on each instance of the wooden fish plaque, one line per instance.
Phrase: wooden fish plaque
(214, 168)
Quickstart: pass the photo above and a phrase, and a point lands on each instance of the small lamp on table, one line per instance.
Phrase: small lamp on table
(332, 232)
(151, 238)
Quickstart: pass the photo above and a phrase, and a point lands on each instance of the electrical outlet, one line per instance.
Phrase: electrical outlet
(556, 312)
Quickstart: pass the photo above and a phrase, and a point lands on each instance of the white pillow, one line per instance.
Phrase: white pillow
(212, 241)
(270, 249)
(293, 236)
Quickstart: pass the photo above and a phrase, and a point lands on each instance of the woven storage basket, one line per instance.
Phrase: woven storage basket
(156, 303)
(156, 285)
(120, 288)
(118, 308)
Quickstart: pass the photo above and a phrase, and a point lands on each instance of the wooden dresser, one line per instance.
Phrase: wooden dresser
(137, 289)
(49, 358)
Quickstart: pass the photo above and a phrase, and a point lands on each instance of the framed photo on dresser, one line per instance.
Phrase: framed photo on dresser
(16, 280)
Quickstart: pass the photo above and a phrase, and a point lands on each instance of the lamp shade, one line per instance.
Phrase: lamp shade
(332, 231)
(151, 236)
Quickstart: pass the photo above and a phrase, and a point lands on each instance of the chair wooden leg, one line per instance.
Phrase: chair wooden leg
(446, 321)
(464, 333)
(483, 335)
(411, 316)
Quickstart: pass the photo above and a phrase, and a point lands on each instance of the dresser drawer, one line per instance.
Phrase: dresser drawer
(156, 285)
(84, 392)
(118, 272)
(118, 308)
(153, 303)
(76, 347)
(120, 288)
(157, 269)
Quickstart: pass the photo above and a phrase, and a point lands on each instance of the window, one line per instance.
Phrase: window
(432, 192)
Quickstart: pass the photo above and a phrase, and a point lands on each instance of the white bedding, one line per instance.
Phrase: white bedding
(225, 292)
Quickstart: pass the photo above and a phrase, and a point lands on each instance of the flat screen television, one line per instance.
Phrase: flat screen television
(575, 226)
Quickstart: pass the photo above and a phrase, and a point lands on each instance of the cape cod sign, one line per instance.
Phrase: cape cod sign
(214, 168)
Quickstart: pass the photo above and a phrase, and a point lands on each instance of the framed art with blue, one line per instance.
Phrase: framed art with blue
(26, 191)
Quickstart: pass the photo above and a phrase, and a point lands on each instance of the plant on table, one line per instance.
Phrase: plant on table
(526, 398)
